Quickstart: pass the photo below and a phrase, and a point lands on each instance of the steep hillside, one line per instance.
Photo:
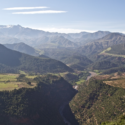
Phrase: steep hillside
(101, 44)
(97, 102)
(36, 106)
(13, 61)
(22, 47)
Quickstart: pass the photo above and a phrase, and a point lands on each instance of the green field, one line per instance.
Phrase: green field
(9, 82)
(31, 77)
(8, 77)
(8, 86)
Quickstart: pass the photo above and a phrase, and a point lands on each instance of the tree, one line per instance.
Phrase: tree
(29, 83)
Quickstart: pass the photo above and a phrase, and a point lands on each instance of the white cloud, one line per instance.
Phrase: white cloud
(40, 12)
(25, 8)
(63, 30)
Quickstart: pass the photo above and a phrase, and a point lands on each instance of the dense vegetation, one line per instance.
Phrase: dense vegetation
(97, 102)
(39, 105)
(12, 61)
(120, 121)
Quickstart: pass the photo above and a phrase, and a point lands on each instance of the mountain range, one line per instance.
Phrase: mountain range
(90, 37)
(38, 38)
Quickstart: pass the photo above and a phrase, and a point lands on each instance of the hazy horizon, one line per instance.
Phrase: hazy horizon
(65, 16)
(54, 30)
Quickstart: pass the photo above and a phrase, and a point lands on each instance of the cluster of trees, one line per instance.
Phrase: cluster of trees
(120, 121)
(83, 75)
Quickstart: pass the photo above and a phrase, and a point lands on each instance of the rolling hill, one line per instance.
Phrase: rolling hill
(13, 61)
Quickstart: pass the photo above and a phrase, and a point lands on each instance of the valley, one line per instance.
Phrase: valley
(61, 79)
(64, 107)
(62, 62)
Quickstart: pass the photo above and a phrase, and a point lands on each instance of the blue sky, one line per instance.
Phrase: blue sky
(65, 15)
